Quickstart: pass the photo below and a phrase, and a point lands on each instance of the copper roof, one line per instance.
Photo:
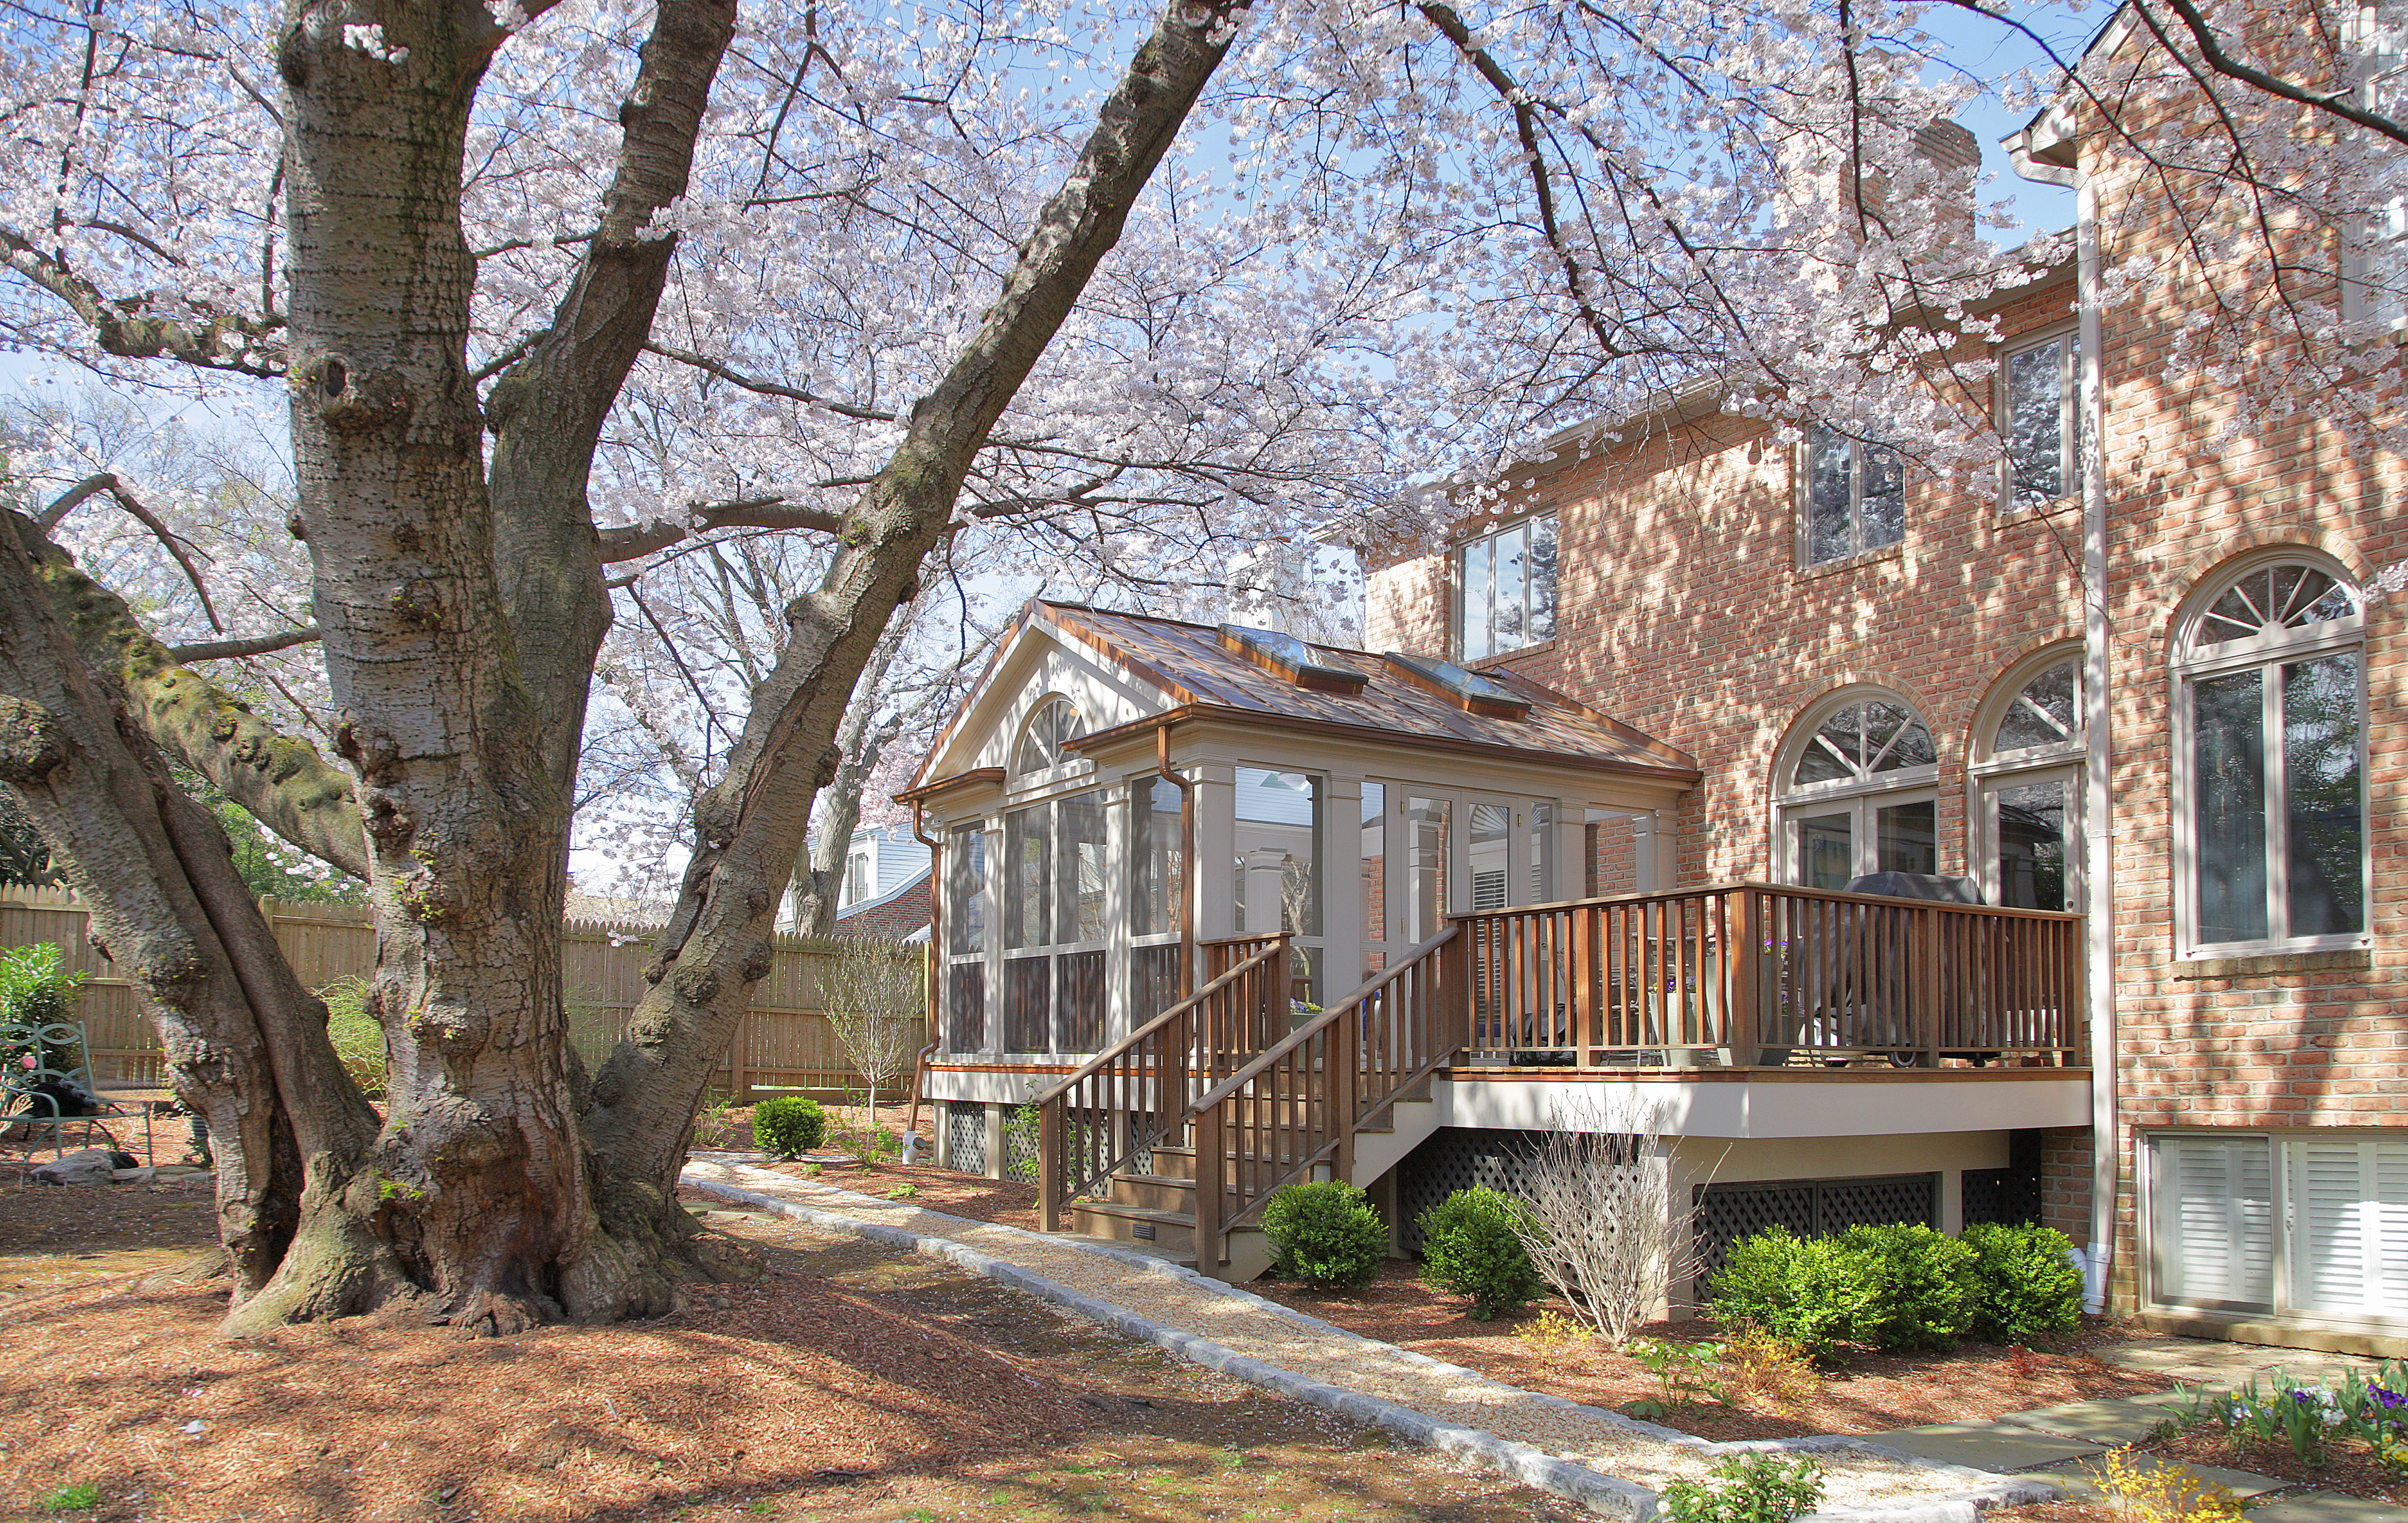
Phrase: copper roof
(1199, 675)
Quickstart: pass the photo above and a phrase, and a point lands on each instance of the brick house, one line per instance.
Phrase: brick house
(2169, 798)
(1874, 671)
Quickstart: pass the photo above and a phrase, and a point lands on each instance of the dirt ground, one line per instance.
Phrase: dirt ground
(852, 1382)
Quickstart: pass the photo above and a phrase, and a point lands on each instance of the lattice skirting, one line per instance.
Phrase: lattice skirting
(1808, 1207)
(2011, 1196)
(1020, 1144)
(1457, 1158)
(966, 1136)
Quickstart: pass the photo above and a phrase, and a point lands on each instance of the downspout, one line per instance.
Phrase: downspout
(936, 983)
(1187, 858)
(2098, 755)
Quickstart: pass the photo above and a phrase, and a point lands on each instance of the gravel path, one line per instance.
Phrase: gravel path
(1643, 1454)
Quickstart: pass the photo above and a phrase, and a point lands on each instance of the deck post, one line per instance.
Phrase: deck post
(1743, 961)
(1211, 1188)
(1586, 994)
(1048, 1165)
(1926, 983)
(1339, 1060)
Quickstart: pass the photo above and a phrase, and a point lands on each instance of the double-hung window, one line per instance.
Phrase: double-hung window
(1505, 589)
(2270, 787)
(1852, 497)
(2040, 386)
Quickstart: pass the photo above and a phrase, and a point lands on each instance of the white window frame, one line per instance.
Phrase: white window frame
(1805, 501)
(2284, 1224)
(2379, 76)
(2068, 416)
(1858, 797)
(1459, 621)
(2265, 652)
(1992, 769)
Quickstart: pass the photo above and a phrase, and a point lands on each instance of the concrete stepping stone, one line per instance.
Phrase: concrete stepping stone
(1984, 1446)
(2080, 1486)
(2328, 1507)
(2123, 1420)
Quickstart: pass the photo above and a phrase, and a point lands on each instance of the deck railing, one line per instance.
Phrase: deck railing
(1755, 974)
(1299, 1104)
(1133, 1096)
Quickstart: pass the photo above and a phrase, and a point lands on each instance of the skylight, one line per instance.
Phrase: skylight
(1281, 653)
(1477, 694)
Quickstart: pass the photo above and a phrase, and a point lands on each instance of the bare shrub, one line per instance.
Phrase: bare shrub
(1603, 1229)
(873, 994)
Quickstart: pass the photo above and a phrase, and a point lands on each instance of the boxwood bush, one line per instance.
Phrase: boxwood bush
(1469, 1248)
(1325, 1234)
(1808, 1291)
(1923, 1286)
(789, 1124)
(2025, 1284)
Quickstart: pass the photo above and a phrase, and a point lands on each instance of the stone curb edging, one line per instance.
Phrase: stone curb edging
(1601, 1493)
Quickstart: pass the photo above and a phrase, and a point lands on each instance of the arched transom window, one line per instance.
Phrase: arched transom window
(1858, 795)
(2028, 790)
(1055, 721)
(2271, 807)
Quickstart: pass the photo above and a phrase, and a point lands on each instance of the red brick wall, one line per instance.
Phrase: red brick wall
(1683, 610)
(890, 920)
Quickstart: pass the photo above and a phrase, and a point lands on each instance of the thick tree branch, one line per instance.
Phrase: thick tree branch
(121, 325)
(281, 780)
(633, 542)
(749, 827)
(221, 650)
(546, 412)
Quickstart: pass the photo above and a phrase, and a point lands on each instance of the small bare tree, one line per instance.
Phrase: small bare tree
(873, 992)
(1603, 1227)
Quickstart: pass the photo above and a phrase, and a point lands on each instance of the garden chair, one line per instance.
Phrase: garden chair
(37, 1062)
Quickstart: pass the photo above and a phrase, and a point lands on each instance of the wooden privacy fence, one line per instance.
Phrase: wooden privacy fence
(784, 1041)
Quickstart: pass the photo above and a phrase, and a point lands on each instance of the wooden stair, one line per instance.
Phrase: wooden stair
(1345, 1095)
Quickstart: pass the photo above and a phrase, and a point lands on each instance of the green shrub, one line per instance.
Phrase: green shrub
(788, 1125)
(2025, 1284)
(1746, 1489)
(1808, 1291)
(34, 991)
(1327, 1234)
(1923, 1286)
(1470, 1247)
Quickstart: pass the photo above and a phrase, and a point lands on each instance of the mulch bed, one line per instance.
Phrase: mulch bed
(850, 1381)
(1861, 1392)
(1858, 1392)
(2348, 1466)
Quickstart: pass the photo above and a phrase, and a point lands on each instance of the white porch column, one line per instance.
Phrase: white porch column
(1120, 840)
(1216, 851)
(1341, 885)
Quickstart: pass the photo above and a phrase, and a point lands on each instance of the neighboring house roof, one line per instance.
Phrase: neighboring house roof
(1179, 670)
(899, 914)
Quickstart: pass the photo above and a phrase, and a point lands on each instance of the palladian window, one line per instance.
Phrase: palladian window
(2270, 789)
(1055, 721)
(1859, 794)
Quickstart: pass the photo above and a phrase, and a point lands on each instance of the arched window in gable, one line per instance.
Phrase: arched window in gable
(1040, 748)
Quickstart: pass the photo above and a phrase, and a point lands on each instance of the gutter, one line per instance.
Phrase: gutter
(2047, 151)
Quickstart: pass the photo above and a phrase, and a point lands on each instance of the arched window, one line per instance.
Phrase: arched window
(1056, 720)
(2027, 787)
(1858, 794)
(2270, 777)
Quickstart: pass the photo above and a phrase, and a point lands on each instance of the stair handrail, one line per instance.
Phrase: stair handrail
(1150, 1028)
(1211, 1231)
(1304, 1033)
(1053, 1189)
